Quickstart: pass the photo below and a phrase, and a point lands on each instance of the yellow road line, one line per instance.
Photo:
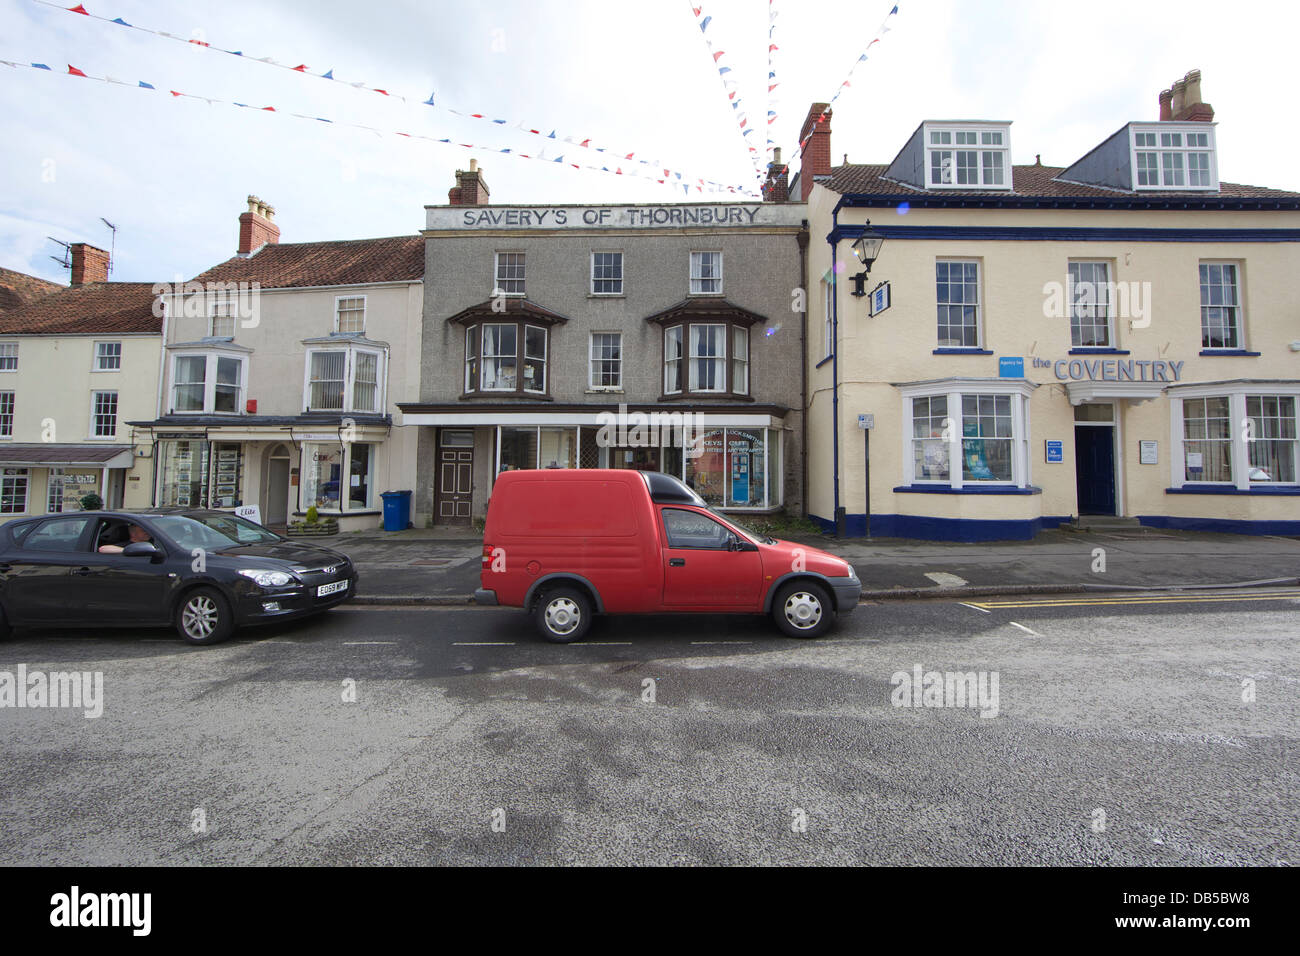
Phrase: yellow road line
(1142, 599)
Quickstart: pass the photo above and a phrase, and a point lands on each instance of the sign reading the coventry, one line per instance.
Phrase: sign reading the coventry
(671, 216)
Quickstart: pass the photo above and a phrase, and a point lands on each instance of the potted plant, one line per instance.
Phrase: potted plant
(313, 524)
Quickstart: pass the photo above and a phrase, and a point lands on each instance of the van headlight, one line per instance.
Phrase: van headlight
(268, 579)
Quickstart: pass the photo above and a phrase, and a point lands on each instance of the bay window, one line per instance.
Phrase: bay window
(496, 352)
(716, 358)
(1240, 436)
(209, 382)
(345, 379)
(968, 434)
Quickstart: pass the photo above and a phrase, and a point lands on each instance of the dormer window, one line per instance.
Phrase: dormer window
(968, 157)
(1174, 158)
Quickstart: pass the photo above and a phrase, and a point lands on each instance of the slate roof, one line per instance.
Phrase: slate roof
(1034, 182)
(296, 265)
(91, 309)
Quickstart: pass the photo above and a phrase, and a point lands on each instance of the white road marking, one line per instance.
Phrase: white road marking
(945, 580)
(720, 642)
(1026, 629)
(483, 644)
(974, 608)
(365, 643)
(604, 644)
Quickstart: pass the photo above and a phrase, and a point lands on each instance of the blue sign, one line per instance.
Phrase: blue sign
(880, 298)
(740, 477)
(1011, 367)
(1055, 452)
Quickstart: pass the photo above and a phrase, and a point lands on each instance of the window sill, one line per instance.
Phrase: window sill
(1260, 490)
(1230, 352)
(966, 490)
(961, 351)
(704, 397)
(1098, 350)
(606, 295)
(531, 396)
(604, 391)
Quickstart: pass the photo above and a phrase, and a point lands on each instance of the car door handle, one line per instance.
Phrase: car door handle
(82, 572)
(676, 562)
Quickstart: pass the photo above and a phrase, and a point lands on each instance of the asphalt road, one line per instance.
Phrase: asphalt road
(1120, 737)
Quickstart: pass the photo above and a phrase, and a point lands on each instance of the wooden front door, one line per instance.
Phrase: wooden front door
(453, 498)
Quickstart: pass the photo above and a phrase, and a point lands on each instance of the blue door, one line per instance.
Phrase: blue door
(1094, 465)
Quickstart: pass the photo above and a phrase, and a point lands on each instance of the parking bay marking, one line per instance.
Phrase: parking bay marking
(1026, 629)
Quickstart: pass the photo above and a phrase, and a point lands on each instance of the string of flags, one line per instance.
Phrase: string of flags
(729, 86)
(662, 176)
(649, 166)
(862, 58)
(772, 83)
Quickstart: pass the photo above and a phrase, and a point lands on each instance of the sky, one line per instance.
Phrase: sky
(173, 173)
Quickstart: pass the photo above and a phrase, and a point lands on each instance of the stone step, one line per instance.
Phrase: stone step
(1105, 523)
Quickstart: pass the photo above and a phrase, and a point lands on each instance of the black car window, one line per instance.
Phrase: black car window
(690, 529)
(58, 534)
(213, 532)
(116, 531)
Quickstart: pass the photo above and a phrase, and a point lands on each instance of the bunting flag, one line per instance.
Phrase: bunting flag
(772, 84)
(296, 66)
(660, 176)
(884, 28)
(729, 87)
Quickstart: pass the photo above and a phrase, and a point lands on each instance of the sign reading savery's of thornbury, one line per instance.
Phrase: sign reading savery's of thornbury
(662, 216)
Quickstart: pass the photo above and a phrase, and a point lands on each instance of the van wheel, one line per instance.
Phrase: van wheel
(563, 615)
(801, 609)
(204, 617)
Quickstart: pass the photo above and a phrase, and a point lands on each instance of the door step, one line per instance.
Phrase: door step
(1105, 523)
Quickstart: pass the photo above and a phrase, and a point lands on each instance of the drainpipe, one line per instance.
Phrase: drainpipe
(834, 241)
(802, 240)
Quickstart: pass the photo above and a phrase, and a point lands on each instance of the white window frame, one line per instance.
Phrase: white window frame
(338, 325)
(97, 356)
(8, 432)
(21, 474)
(681, 359)
(1109, 287)
(982, 133)
(1240, 306)
(723, 360)
(54, 480)
(953, 390)
(1236, 393)
(979, 302)
(223, 307)
(695, 270)
(94, 406)
(1162, 130)
(828, 302)
(592, 359)
(345, 477)
(350, 351)
(209, 382)
(621, 261)
(497, 288)
(4, 346)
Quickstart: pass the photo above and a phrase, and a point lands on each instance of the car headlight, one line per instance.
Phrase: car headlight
(268, 579)
(852, 573)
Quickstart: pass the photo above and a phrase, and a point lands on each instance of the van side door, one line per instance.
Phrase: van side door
(703, 570)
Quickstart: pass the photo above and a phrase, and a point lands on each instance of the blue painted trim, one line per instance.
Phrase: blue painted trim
(1070, 234)
(1089, 350)
(823, 361)
(1220, 525)
(966, 490)
(922, 528)
(1230, 352)
(951, 351)
(1263, 491)
(1135, 201)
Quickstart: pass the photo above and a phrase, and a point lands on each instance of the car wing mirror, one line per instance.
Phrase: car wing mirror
(141, 549)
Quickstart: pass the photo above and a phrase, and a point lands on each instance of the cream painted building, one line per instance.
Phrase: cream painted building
(282, 371)
(75, 366)
(1119, 338)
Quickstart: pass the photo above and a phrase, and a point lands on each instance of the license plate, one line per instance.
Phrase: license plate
(325, 589)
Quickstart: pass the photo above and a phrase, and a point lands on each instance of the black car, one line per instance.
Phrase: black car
(204, 572)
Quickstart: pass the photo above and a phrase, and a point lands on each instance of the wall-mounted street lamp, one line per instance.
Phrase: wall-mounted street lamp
(867, 249)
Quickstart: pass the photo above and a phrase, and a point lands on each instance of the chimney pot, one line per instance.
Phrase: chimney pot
(1166, 108)
(1179, 98)
(257, 227)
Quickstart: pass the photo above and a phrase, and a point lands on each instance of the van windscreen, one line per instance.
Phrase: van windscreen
(569, 509)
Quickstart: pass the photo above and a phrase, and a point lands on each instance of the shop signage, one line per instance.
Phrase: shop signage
(1055, 452)
(1011, 367)
(1148, 452)
(252, 512)
(1113, 370)
(712, 216)
(881, 298)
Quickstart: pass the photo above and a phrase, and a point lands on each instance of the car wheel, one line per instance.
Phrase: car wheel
(801, 609)
(563, 615)
(204, 617)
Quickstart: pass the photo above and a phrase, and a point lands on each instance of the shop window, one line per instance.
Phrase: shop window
(1207, 439)
(336, 477)
(931, 428)
(730, 468)
(1272, 440)
(13, 491)
(992, 428)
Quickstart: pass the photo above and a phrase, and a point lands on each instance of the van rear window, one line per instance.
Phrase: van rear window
(569, 509)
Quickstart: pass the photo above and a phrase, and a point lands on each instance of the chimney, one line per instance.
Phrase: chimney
(1179, 91)
(471, 188)
(1194, 109)
(815, 160)
(88, 264)
(777, 187)
(1166, 109)
(256, 228)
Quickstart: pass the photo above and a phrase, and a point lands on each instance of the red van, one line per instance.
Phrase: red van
(567, 544)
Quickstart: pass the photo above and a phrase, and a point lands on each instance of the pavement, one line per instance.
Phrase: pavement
(438, 566)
